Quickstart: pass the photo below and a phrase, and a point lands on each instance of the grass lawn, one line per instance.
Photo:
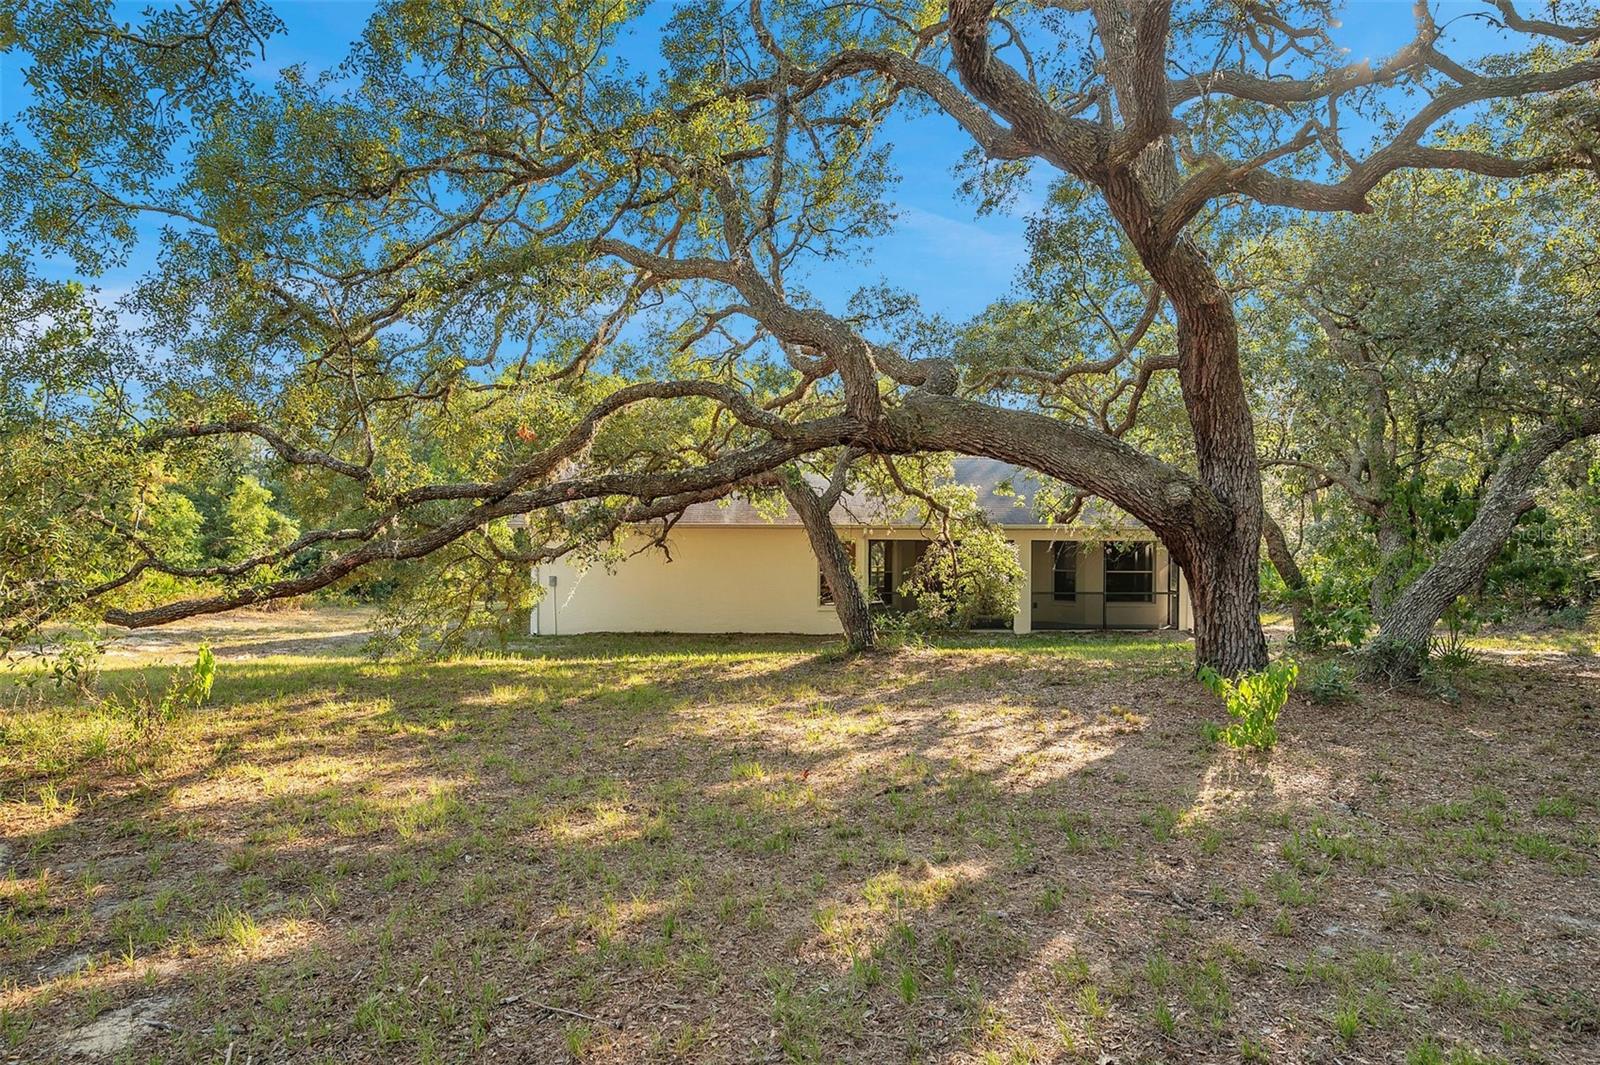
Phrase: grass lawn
(752, 849)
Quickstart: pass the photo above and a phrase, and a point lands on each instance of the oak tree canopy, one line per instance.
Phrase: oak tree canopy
(486, 268)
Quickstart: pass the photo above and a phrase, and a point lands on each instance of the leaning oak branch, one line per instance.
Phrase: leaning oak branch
(1408, 624)
(733, 467)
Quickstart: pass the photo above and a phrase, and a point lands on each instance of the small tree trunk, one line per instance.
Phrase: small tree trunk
(1408, 623)
(1393, 539)
(1293, 578)
(848, 599)
(1457, 571)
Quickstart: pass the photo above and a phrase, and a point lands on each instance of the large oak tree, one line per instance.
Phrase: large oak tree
(485, 269)
(1443, 347)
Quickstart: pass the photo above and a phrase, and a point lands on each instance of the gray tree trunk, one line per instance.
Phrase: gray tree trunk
(834, 561)
(1408, 623)
(1394, 541)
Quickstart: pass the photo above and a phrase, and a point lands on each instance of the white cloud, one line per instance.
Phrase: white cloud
(995, 244)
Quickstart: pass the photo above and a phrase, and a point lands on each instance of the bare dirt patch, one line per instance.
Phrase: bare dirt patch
(113, 1032)
(249, 634)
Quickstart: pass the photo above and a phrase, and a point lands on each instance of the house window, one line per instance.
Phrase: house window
(879, 576)
(1131, 572)
(1064, 559)
(824, 593)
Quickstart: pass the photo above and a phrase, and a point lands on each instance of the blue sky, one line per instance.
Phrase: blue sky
(956, 263)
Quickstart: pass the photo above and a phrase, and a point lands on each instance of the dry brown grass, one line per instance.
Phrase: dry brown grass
(703, 849)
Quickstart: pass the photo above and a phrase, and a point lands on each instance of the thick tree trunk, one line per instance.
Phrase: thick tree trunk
(1408, 623)
(1225, 591)
(1137, 173)
(833, 559)
(1224, 574)
(1224, 569)
(1293, 578)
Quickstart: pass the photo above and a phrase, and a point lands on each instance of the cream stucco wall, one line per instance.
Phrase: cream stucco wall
(724, 578)
(763, 578)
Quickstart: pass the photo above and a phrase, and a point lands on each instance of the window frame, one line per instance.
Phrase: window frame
(1068, 548)
(879, 587)
(824, 593)
(1119, 550)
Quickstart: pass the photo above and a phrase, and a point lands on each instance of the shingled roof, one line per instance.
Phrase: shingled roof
(1006, 493)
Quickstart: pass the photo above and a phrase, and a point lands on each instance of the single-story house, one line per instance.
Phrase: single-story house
(731, 567)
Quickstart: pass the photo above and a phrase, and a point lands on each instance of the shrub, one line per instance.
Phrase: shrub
(1254, 701)
(1451, 653)
(956, 583)
(897, 629)
(1450, 664)
(1330, 683)
(1394, 660)
(1439, 664)
(1323, 626)
(184, 694)
(72, 665)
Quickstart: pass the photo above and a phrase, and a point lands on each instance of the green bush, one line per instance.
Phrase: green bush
(1441, 664)
(1451, 652)
(1323, 626)
(1330, 683)
(1396, 661)
(1451, 664)
(1254, 701)
(897, 629)
(959, 582)
(72, 665)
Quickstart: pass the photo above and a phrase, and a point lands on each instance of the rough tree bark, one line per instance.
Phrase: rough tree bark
(1222, 567)
(1394, 544)
(1408, 623)
(1138, 176)
(849, 601)
(1381, 498)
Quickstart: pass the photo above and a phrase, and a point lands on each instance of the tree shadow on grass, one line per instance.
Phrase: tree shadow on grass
(628, 850)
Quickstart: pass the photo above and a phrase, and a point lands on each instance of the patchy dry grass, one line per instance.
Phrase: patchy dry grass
(708, 849)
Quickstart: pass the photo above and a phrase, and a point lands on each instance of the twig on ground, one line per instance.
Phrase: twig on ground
(555, 1009)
